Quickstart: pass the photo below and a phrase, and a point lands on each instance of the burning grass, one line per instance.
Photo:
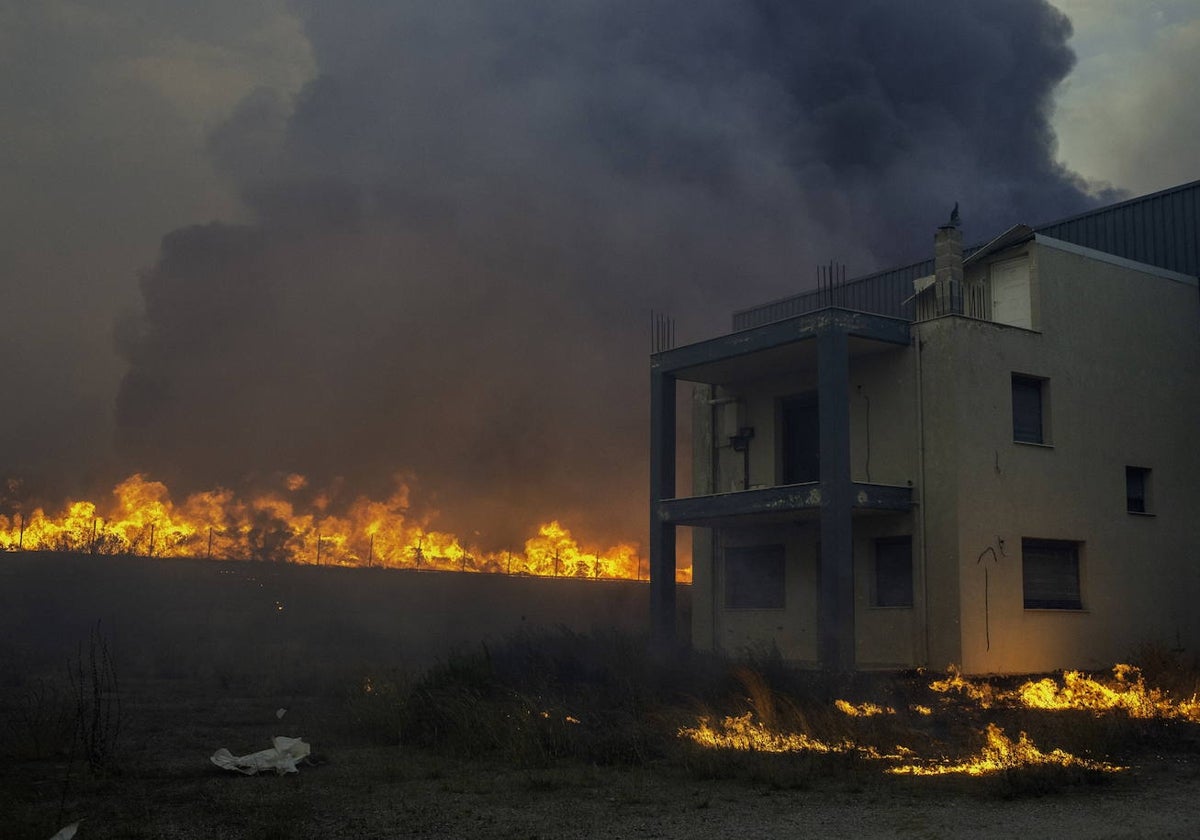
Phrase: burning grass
(296, 524)
(550, 714)
(968, 734)
(540, 699)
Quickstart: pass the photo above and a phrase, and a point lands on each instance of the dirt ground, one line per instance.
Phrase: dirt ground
(204, 663)
(167, 788)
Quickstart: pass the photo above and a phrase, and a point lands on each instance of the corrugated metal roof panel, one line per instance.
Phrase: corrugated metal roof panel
(1161, 229)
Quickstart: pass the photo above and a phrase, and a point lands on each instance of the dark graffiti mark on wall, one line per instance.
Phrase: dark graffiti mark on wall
(987, 631)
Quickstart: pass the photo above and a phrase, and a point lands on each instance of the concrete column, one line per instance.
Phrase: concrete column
(835, 616)
(662, 486)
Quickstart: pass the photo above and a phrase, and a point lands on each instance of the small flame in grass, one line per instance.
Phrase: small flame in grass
(954, 681)
(999, 752)
(744, 733)
(1002, 753)
(862, 709)
(143, 519)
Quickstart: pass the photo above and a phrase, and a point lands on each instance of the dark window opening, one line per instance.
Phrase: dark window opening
(1028, 409)
(1137, 489)
(754, 577)
(893, 572)
(801, 439)
(1050, 574)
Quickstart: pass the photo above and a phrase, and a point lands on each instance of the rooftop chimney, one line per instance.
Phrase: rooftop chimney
(948, 264)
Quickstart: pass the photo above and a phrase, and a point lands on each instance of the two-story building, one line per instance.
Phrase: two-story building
(989, 458)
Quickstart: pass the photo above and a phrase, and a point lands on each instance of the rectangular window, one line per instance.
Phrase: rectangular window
(893, 572)
(754, 577)
(800, 441)
(1029, 409)
(1137, 489)
(1050, 574)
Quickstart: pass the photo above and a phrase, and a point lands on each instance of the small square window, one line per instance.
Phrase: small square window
(1050, 574)
(1137, 489)
(1029, 409)
(893, 572)
(754, 577)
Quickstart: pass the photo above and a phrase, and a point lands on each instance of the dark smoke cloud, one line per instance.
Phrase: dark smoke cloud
(464, 219)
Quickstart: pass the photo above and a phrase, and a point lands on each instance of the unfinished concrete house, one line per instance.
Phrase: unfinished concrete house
(990, 458)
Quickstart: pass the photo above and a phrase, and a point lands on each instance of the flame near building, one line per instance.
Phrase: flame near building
(141, 518)
(1124, 693)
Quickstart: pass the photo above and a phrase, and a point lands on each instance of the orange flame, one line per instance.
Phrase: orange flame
(143, 519)
(1000, 753)
(1126, 692)
(745, 733)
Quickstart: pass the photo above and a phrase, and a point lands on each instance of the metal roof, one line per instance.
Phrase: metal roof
(1160, 229)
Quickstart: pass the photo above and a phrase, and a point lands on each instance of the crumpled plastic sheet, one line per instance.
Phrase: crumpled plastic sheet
(67, 832)
(282, 757)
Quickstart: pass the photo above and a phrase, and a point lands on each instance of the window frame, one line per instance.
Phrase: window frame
(1070, 601)
(1147, 497)
(1025, 380)
(904, 540)
(738, 585)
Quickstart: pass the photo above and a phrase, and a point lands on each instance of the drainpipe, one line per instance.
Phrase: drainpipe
(921, 502)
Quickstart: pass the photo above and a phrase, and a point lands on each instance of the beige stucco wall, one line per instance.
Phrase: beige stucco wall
(792, 631)
(1118, 347)
(886, 637)
(883, 447)
(936, 496)
(883, 418)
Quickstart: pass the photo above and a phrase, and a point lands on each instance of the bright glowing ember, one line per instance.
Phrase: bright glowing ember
(142, 519)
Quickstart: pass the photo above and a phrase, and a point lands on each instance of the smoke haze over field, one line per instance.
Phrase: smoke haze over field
(457, 228)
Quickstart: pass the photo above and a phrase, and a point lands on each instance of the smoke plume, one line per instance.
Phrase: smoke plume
(462, 222)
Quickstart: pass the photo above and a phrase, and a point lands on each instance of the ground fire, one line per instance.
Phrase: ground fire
(141, 518)
(1123, 693)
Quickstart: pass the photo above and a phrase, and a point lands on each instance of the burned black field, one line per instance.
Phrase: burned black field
(513, 712)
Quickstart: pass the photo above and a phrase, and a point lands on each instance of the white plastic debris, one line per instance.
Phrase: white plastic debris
(282, 758)
(67, 832)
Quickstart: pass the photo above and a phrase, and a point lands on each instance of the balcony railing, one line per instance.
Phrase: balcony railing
(888, 293)
(959, 298)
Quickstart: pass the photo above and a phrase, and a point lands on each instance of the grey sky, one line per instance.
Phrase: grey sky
(1128, 114)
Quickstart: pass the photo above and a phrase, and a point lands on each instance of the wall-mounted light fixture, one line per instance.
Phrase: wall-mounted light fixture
(741, 441)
